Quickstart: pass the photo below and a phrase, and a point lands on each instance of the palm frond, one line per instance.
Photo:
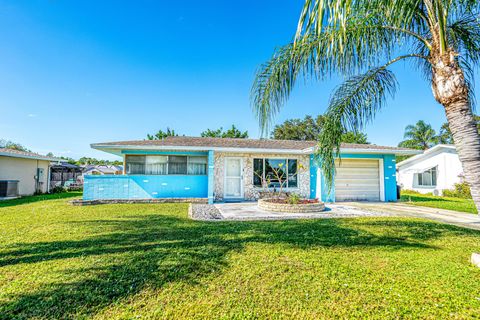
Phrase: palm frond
(317, 14)
(464, 37)
(353, 104)
(366, 44)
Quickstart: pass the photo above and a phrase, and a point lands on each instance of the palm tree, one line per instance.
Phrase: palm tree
(419, 136)
(360, 40)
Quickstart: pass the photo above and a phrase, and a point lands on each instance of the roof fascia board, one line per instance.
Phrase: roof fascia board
(196, 148)
(372, 151)
(425, 154)
(22, 156)
(107, 148)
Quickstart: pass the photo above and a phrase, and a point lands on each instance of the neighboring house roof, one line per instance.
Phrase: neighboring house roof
(103, 168)
(25, 155)
(424, 155)
(238, 145)
(65, 165)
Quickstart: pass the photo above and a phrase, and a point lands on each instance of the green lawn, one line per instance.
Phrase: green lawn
(150, 261)
(456, 204)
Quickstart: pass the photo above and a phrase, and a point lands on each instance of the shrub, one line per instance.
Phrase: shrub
(293, 198)
(58, 189)
(461, 190)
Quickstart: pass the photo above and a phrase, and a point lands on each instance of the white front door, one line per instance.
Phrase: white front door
(233, 178)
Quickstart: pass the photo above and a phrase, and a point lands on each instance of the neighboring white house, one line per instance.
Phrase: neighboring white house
(435, 170)
(101, 170)
(28, 170)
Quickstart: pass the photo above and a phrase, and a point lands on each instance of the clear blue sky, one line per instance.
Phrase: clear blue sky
(77, 72)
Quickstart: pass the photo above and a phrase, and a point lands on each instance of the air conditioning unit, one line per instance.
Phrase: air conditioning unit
(8, 188)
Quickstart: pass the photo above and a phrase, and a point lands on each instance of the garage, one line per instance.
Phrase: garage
(357, 180)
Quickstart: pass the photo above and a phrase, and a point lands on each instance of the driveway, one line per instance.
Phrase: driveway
(467, 220)
(250, 211)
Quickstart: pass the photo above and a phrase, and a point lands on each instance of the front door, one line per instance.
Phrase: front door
(233, 178)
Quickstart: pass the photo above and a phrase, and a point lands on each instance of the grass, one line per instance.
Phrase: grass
(456, 204)
(130, 261)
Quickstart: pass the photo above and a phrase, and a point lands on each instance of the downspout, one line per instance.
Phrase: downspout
(36, 178)
(48, 176)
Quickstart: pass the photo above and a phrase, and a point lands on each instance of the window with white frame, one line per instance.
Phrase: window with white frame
(166, 165)
(427, 178)
(275, 172)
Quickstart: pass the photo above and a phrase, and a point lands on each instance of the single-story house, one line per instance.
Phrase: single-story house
(222, 169)
(435, 170)
(29, 171)
(102, 169)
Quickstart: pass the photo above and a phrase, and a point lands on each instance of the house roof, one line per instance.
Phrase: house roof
(66, 165)
(427, 153)
(238, 145)
(25, 155)
(103, 168)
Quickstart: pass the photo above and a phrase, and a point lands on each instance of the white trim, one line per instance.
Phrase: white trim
(381, 173)
(318, 192)
(242, 193)
(425, 153)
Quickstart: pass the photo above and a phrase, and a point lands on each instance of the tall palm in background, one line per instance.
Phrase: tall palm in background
(419, 136)
(360, 40)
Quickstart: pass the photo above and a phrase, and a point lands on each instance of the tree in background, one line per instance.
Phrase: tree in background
(355, 137)
(83, 161)
(445, 135)
(360, 40)
(419, 136)
(94, 161)
(298, 129)
(309, 129)
(233, 132)
(162, 134)
(13, 145)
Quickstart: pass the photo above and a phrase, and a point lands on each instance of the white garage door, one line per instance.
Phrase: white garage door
(357, 180)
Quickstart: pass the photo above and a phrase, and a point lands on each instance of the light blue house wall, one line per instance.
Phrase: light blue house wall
(328, 195)
(144, 187)
(152, 186)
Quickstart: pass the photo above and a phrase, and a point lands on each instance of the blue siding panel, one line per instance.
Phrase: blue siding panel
(313, 176)
(327, 195)
(390, 176)
(145, 187)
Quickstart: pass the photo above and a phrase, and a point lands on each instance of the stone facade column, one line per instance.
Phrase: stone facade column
(211, 177)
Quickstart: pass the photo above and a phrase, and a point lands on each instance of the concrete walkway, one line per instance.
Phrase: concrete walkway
(250, 211)
(467, 220)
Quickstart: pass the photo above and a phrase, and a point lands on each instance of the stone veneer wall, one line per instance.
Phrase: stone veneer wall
(250, 191)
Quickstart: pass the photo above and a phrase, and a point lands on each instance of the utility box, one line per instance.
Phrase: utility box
(40, 174)
(8, 188)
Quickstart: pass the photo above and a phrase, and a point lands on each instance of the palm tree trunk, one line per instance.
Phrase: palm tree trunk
(450, 89)
(467, 142)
